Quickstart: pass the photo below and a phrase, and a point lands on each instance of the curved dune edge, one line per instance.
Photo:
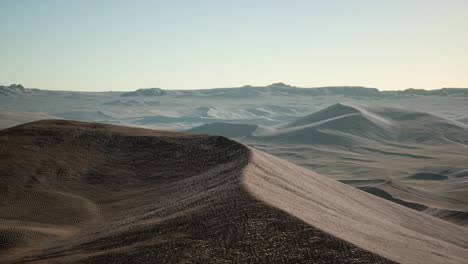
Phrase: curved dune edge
(374, 224)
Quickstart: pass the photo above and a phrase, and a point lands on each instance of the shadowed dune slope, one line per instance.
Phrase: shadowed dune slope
(93, 193)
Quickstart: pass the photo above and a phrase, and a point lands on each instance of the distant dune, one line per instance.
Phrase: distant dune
(413, 158)
(233, 130)
(346, 123)
(178, 110)
(92, 193)
(13, 118)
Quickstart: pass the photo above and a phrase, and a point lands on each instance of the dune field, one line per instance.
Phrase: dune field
(413, 158)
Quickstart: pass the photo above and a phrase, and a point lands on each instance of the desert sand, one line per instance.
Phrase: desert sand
(75, 192)
(14, 118)
(413, 158)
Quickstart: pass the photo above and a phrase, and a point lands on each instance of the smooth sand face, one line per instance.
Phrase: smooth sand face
(380, 226)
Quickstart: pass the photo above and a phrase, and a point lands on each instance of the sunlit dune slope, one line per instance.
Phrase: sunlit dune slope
(375, 224)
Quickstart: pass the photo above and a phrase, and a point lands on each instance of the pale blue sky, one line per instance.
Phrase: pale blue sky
(124, 45)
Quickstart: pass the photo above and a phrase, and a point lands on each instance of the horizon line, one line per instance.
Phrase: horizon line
(235, 87)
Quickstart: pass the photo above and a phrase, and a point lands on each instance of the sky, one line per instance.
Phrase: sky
(89, 45)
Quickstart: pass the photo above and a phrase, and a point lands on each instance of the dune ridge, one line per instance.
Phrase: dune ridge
(145, 196)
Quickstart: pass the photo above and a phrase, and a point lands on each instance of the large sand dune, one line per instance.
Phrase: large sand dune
(93, 193)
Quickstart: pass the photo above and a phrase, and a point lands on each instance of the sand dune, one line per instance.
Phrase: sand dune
(232, 130)
(14, 118)
(84, 115)
(418, 159)
(352, 123)
(377, 225)
(178, 110)
(93, 193)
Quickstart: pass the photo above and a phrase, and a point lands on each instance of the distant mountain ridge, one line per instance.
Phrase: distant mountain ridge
(12, 89)
(276, 89)
(281, 89)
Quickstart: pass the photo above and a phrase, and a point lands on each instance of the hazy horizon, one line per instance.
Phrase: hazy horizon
(127, 45)
(223, 87)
